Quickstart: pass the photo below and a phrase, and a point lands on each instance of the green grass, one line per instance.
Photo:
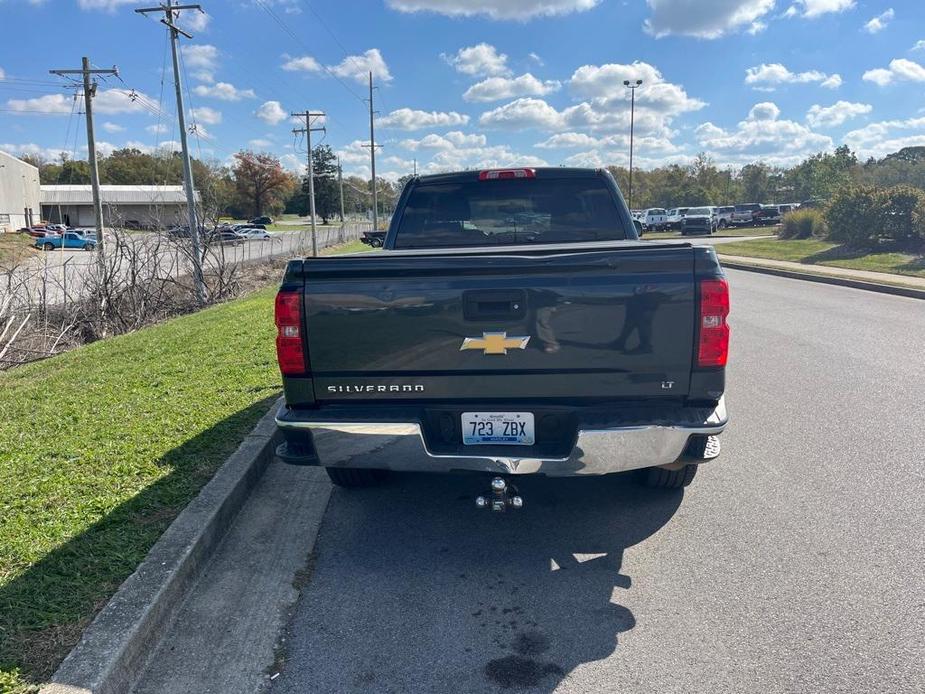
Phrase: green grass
(815, 252)
(100, 448)
(14, 248)
(352, 247)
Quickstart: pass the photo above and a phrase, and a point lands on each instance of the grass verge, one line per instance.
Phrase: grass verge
(815, 252)
(101, 448)
(351, 247)
(720, 233)
(14, 248)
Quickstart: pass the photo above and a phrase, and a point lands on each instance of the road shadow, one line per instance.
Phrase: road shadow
(44, 610)
(414, 589)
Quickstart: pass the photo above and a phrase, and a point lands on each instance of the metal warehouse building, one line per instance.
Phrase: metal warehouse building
(19, 193)
(133, 207)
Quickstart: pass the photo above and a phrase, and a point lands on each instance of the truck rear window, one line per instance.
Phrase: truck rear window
(509, 211)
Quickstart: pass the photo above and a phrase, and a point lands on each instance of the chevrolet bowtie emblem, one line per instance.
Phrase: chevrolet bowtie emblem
(495, 343)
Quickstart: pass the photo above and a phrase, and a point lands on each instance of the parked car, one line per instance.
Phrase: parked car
(487, 381)
(373, 239)
(675, 216)
(261, 220)
(69, 239)
(724, 216)
(654, 218)
(787, 208)
(698, 220)
(38, 232)
(226, 238)
(768, 215)
(746, 214)
(252, 233)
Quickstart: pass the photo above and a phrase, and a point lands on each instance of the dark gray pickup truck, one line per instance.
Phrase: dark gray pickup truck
(513, 324)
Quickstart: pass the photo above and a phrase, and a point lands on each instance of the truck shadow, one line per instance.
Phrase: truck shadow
(487, 601)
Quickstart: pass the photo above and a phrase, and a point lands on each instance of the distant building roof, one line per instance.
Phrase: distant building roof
(114, 195)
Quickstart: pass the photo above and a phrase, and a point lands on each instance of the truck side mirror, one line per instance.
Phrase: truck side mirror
(638, 225)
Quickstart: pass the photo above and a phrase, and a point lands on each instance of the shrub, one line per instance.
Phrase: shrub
(864, 216)
(803, 224)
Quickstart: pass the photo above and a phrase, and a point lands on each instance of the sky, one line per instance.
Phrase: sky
(476, 83)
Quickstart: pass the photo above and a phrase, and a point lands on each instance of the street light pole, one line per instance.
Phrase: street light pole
(633, 86)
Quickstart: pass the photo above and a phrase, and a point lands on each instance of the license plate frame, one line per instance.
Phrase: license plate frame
(498, 428)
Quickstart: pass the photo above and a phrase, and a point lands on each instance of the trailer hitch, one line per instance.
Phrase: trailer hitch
(501, 497)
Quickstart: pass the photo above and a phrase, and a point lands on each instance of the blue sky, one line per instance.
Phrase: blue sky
(480, 83)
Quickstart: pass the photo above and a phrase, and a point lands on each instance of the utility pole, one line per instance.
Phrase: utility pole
(415, 166)
(308, 130)
(89, 93)
(340, 183)
(171, 12)
(372, 154)
(632, 87)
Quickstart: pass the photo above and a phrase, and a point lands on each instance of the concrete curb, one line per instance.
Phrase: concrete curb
(730, 262)
(114, 648)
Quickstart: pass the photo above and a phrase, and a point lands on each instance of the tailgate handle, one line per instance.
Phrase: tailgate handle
(494, 304)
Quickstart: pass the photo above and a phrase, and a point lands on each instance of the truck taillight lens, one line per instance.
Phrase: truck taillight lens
(289, 352)
(713, 340)
(501, 174)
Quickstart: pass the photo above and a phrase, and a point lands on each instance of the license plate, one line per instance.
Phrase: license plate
(514, 428)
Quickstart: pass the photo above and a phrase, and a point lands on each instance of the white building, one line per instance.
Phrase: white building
(134, 207)
(19, 194)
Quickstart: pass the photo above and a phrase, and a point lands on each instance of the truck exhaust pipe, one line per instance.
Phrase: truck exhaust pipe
(501, 497)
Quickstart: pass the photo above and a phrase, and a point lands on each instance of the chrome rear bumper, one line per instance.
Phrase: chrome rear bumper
(597, 451)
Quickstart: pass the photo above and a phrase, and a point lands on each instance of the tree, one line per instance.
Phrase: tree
(261, 182)
(327, 194)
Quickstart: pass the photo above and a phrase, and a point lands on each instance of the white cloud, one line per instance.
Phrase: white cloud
(900, 69)
(107, 101)
(520, 10)
(106, 5)
(451, 140)
(568, 140)
(816, 8)
(194, 20)
(880, 22)
(202, 59)
(113, 127)
(32, 149)
(706, 20)
(224, 91)
(879, 139)
(496, 88)
(523, 113)
(157, 129)
(293, 163)
(481, 59)
(767, 76)
(358, 67)
(761, 136)
(207, 115)
(536, 59)
(259, 143)
(836, 114)
(2, 74)
(604, 86)
(271, 113)
(410, 119)
(303, 63)
(919, 46)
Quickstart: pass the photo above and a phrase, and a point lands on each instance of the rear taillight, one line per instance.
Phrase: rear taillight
(713, 334)
(289, 352)
(497, 174)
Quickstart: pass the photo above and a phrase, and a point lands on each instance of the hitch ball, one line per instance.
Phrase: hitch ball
(498, 484)
(517, 502)
(481, 502)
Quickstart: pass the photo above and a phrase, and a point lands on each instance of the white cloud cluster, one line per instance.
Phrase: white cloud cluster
(900, 69)
(106, 5)
(224, 91)
(207, 115)
(767, 76)
(202, 58)
(762, 135)
(303, 63)
(811, 9)
(113, 127)
(451, 140)
(271, 113)
(880, 22)
(194, 20)
(358, 67)
(411, 119)
(520, 10)
(481, 60)
(107, 101)
(497, 88)
(836, 114)
(706, 19)
(879, 139)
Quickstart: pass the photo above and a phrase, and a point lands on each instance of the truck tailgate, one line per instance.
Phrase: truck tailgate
(562, 323)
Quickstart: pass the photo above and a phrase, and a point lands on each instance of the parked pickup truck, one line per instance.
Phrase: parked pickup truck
(513, 324)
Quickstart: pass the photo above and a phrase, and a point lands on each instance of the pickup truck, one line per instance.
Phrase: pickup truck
(513, 324)
(654, 218)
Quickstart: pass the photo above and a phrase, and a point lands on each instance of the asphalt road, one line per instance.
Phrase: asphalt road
(796, 562)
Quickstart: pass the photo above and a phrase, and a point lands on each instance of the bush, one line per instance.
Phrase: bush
(803, 224)
(866, 216)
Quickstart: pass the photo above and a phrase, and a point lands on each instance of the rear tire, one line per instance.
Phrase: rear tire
(660, 478)
(48, 247)
(356, 478)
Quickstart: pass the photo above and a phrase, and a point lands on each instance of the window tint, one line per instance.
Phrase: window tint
(509, 211)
